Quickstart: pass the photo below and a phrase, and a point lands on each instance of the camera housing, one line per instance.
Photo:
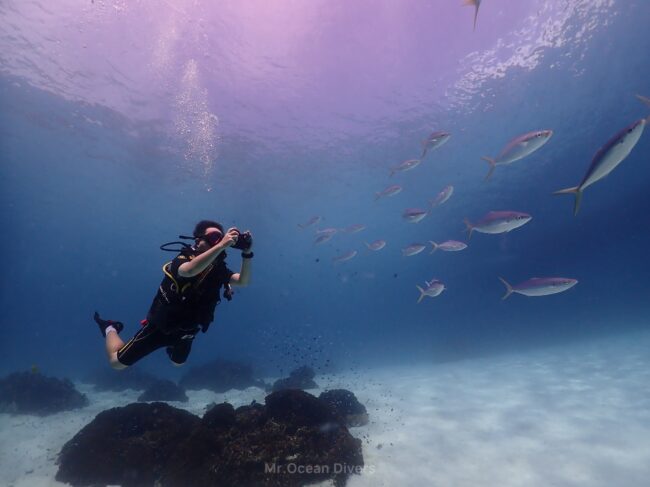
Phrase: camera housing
(244, 241)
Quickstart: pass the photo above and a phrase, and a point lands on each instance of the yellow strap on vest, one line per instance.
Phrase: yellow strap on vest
(169, 274)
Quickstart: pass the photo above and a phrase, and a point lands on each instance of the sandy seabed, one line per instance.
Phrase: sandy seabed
(572, 415)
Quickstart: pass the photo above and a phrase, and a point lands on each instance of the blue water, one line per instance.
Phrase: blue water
(122, 124)
(90, 190)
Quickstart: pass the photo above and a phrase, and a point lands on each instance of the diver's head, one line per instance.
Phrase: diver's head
(207, 234)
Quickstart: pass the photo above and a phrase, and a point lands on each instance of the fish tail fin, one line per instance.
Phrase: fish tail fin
(475, 4)
(576, 191)
(421, 293)
(509, 289)
(493, 165)
(367, 245)
(470, 227)
(300, 225)
(434, 245)
(392, 172)
(378, 195)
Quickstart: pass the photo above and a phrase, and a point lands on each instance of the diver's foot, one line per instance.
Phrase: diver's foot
(103, 324)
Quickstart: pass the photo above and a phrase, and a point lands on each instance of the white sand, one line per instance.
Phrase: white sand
(577, 415)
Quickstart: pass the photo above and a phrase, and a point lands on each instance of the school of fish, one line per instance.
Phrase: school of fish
(605, 160)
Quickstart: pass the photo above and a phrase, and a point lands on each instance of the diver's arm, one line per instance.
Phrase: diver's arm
(201, 262)
(243, 277)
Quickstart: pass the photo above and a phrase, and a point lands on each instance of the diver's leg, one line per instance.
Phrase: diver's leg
(111, 329)
(180, 349)
(148, 339)
(113, 344)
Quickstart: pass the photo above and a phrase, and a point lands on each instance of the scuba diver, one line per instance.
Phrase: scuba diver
(187, 296)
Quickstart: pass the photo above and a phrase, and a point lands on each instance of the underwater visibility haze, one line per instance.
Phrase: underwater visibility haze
(448, 205)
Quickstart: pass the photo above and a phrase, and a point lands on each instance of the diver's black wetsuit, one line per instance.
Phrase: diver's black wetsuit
(174, 317)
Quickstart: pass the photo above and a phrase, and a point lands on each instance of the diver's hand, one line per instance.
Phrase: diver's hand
(248, 249)
(229, 239)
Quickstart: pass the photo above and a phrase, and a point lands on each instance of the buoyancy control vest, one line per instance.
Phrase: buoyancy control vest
(187, 304)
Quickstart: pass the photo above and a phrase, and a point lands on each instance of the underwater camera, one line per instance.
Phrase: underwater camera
(243, 241)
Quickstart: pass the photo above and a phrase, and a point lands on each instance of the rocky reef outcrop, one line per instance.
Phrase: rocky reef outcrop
(293, 439)
(345, 407)
(35, 393)
(300, 378)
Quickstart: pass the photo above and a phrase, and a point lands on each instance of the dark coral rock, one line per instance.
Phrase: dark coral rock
(220, 376)
(251, 417)
(164, 390)
(345, 407)
(107, 379)
(268, 447)
(298, 408)
(128, 446)
(220, 416)
(300, 378)
(255, 445)
(34, 393)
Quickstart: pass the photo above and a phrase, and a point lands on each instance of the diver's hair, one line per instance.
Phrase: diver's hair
(203, 225)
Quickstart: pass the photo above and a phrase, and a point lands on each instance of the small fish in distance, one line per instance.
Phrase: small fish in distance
(498, 222)
(433, 141)
(431, 289)
(448, 246)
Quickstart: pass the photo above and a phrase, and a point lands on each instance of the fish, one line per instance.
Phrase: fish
(325, 234)
(539, 286)
(413, 249)
(376, 245)
(476, 4)
(518, 148)
(414, 215)
(312, 221)
(405, 166)
(433, 141)
(498, 222)
(322, 238)
(345, 257)
(644, 99)
(432, 289)
(606, 159)
(448, 246)
(389, 191)
(356, 228)
(443, 196)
